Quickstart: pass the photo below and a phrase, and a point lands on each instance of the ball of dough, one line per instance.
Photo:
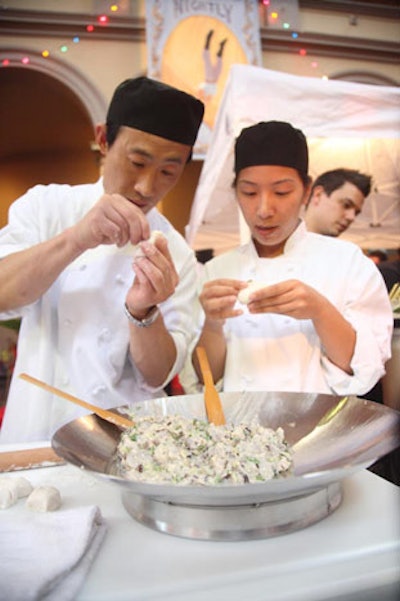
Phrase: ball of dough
(244, 295)
(8, 494)
(22, 486)
(137, 251)
(44, 498)
(155, 234)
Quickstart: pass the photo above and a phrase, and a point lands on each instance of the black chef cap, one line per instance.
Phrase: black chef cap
(156, 108)
(271, 143)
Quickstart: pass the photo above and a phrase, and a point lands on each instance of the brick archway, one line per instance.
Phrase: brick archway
(90, 97)
(47, 117)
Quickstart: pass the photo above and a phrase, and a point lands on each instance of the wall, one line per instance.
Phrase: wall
(105, 62)
(104, 59)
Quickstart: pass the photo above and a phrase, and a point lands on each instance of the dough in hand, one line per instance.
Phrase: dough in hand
(44, 498)
(154, 235)
(138, 252)
(244, 295)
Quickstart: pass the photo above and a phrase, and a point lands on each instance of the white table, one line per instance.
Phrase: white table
(352, 555)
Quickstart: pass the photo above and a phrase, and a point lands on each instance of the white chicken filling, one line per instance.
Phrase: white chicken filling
(178, 450)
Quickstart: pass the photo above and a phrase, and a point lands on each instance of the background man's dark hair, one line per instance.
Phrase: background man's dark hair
(336, 178)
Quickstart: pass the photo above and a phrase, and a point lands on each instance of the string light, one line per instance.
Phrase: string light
(102, 19)
(273, 19)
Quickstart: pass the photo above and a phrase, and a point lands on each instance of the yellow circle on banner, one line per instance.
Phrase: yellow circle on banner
(186, 65)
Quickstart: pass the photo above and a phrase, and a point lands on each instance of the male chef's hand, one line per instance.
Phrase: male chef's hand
(291, 297)
(112, 220)
(156, 277)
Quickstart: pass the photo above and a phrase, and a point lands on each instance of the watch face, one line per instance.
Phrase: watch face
(154, 313)
(146, 321)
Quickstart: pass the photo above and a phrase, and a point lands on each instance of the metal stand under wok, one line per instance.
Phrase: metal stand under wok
(234, 522)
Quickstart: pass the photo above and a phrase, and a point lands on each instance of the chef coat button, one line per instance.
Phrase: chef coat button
(98, 390)
(65, 381)
(83, 267)
(104, 335)
(67, 321)
(119, 279)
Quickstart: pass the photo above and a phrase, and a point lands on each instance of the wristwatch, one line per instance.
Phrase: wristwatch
(149, 318)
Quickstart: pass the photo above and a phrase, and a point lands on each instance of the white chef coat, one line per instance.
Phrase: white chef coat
(76, 337)
(277, 352)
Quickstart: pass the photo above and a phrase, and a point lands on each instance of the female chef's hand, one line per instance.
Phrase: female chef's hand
(156, 277)
(218, 298)
(296, 299)
(112, 220)
(291, 297)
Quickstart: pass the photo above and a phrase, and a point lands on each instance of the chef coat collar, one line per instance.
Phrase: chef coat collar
(295, 237)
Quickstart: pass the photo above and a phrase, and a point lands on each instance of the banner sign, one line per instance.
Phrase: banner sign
(191, 44)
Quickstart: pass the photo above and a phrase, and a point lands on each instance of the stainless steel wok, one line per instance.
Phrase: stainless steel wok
(332, 438)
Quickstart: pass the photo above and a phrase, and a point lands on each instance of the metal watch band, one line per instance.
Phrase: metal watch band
(150, 318)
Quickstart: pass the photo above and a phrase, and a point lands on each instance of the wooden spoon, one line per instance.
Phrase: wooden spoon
(212, 401)
(114, 418)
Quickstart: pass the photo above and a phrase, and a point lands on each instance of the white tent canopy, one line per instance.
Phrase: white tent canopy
(347, 125)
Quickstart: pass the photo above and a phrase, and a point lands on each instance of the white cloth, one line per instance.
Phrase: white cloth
(46, 556)
(277, 352)
(76, 336)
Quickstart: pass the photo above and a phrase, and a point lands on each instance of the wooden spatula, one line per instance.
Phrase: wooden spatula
(114, 418)
(212, 401)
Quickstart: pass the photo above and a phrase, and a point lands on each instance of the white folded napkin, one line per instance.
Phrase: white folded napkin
(46, 556)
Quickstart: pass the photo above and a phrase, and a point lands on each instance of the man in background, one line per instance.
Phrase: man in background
(387, 390)
(378, 256)
(335, 200)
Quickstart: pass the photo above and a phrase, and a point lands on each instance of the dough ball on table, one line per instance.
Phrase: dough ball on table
(44, 498)
(8, 493)
(12, 489)
(244, 295)
(22, 486)
(137, 251)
